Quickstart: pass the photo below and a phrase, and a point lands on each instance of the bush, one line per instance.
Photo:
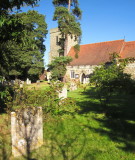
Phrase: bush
(111, 80)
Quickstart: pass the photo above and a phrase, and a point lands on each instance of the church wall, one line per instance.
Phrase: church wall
(130, 69)
(74, 73)
(88, 69)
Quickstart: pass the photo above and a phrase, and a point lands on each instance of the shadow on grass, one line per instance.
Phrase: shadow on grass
(119, 121)
(90, 102)
(66, 140)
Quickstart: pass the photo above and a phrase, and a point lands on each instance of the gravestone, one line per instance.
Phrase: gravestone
(73, 86)
(21, 85)
(26, 130)
(63, 93)
(28, 81)
(38, 82)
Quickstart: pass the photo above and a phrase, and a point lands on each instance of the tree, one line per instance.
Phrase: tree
(58, 67)
(110, 80)
(67, 13)
(11, 30)
(27, 56)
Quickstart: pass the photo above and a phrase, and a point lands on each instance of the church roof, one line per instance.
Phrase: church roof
(128, 50)
(99, 53)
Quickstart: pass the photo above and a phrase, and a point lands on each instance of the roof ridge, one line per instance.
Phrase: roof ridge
(129, 41)
(103, 42)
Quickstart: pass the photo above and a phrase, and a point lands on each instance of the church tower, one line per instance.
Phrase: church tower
(54, 47)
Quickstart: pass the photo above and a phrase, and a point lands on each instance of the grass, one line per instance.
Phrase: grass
(41, 85)
(90, 134)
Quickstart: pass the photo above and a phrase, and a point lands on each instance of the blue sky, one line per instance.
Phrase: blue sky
(102, 20)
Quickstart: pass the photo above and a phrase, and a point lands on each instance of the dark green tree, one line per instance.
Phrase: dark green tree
(67, 13)
(27, 56)
(11, 30)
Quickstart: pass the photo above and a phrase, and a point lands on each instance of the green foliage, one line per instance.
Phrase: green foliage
(5, 5)
(6, 93)
(111, 80)
(58, 67)
(67, 20)
(76, 49)
(22, 48)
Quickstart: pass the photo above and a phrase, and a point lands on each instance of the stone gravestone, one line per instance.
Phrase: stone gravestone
(63, 93)
(38, 82)
(73, 86)
(26, 130)
(28, 81)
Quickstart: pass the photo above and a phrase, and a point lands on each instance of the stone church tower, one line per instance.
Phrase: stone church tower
(54, 47)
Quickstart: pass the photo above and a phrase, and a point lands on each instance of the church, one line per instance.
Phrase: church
(91, 56)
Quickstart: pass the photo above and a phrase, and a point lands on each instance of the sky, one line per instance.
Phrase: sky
(102, 20)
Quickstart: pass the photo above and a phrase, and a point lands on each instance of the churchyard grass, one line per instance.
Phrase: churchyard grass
(90, 133)
(41, 85)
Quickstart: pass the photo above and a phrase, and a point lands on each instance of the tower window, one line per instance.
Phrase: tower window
(57, 40)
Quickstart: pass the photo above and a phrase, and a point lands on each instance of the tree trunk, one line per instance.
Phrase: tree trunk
(69, 4)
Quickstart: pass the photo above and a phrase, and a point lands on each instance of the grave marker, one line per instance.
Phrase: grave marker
(26, 130)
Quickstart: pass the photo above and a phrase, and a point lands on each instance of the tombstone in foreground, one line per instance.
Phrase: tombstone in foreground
(26, 131)
(63, 93)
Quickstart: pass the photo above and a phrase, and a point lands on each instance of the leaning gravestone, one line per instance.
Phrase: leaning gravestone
(63, 93)
(26, 130)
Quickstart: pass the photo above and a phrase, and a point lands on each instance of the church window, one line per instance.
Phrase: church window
(72, 75)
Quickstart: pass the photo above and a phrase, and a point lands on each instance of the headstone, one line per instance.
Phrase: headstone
(38, 82)
(22, 82)
(63, 93)
(21, 85)
(26, 130)
(28, 81)
(73, 87)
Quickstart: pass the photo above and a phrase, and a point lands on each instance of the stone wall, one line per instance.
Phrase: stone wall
(79, 72)
(54, 33)
(87, 70)
(130, 69)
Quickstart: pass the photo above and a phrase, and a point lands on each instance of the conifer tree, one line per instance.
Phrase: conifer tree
(68, 14)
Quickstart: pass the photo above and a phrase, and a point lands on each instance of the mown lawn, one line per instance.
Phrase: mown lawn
(90, 134)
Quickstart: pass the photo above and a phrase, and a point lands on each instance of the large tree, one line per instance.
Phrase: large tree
(67, 13)
(21, 39)
(26, 55)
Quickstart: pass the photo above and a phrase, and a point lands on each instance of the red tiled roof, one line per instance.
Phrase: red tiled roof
(129, 50)
(98, 53)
